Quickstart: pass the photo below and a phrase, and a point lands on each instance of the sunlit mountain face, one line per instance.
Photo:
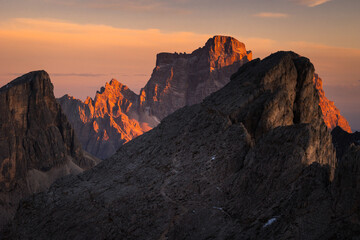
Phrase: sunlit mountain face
(158, 122)
(117, 115)
(82, 44)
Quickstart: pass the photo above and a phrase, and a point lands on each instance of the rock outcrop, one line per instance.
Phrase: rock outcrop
(332, 116)
(254, 160)
(117, 115)
(186, 79)
(103, 124)
(37, 143)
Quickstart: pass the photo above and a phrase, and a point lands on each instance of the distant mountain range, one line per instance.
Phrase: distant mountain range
(254, 160)
(117, 115)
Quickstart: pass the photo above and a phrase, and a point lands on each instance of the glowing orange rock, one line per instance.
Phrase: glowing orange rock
(331, 113)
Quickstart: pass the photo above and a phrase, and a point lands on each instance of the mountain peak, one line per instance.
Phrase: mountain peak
(252, 154)
(226, 41)
(192, 76)
(37, 143)
(29, 77)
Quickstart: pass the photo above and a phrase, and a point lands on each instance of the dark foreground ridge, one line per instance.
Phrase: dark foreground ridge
(252, 161)
(37, 143)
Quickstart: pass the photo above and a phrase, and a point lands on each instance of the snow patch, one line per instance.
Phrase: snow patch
(213, 157)
(269, 222)
(218, 208)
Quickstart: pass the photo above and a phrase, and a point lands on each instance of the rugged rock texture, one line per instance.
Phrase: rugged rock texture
(332, 116)
(186, 79)
(102, 125)
(37, 143)
(342, 140)
(346, 192)
(117, 115)
(252, 161)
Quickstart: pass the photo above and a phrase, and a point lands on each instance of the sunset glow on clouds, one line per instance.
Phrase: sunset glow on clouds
(95, 52)
(312, 3)
(84, 43)
(271, 15)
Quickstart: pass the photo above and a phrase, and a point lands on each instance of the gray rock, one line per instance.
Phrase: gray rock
(186, 79)
(37, 143)
(342, 140)
(103, 125)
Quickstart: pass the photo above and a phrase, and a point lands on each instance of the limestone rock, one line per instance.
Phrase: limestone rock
(103, 124)
(254, 160)
(117, 114)
(37, 143)
(185, 79)
(331, 113)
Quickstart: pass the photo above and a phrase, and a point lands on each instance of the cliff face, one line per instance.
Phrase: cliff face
(254, 160)
(37, 143)
(103, 125)
(331, 113)
(186, 79)
(117, 115)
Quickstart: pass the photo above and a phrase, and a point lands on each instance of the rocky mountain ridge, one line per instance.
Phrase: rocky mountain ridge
(254, 160)
(103, 124)
(37, 143)
(117, 114)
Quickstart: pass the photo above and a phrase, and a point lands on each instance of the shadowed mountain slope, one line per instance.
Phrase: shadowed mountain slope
(252, 161)
(342, 140)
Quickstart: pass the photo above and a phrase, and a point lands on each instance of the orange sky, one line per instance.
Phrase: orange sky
(82, 53)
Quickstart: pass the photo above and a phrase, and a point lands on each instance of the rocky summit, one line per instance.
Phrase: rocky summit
(37, 143)
(103, 124)
(117, 114)
(254, 160)
(185, 79)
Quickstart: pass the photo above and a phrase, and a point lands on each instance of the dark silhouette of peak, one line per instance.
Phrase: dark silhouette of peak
(254, 160)
(37, 143)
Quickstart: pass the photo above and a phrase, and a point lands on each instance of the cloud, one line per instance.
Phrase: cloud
(67, 33)
(78, 74)
(78, 56)
(271, 15)
(311, 3)
(153, 6)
